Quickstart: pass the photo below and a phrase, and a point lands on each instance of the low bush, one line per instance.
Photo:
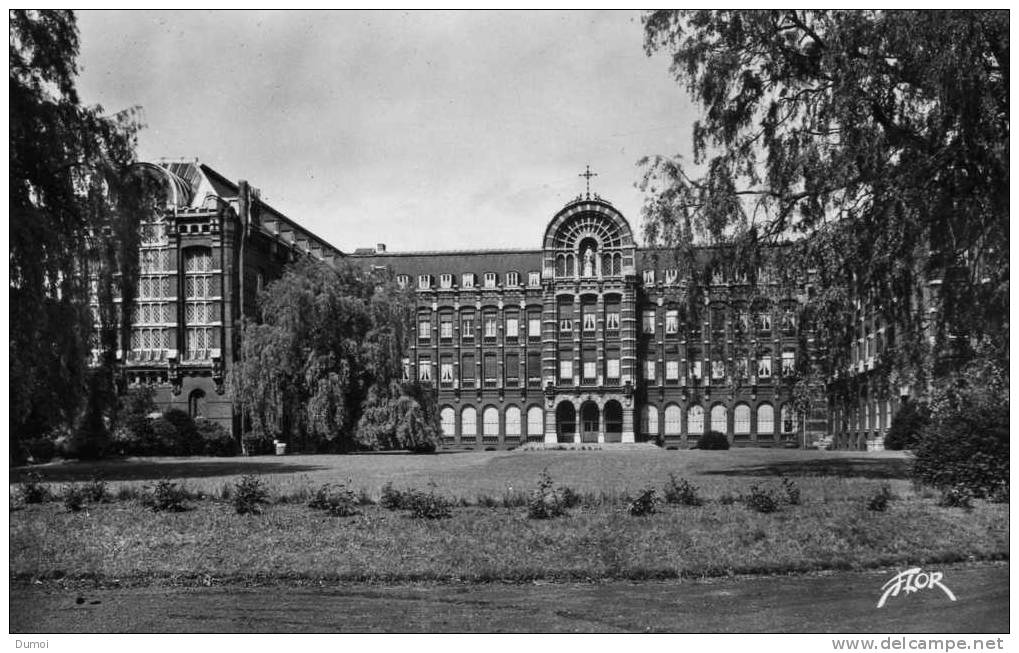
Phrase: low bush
(393, 499)
(40, 450)
(967, 448)
(257, 445)
(74, 498)
(570, 498)
(682, 492)
(216, 440)
(33, 490)
(713, 441)
(546, 502)
(760, 499)
(727, 499)
(1000, 494)
(792, 491)
(336, 499)
(96, 491)
(249, 495)
(956, 497)
(646, 503)
(907, 426)
(429, 505)
(166, 496)
(879, 501)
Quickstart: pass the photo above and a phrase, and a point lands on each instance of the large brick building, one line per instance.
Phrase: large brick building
(587, 338)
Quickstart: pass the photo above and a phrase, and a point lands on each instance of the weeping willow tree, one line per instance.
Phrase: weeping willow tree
(873, 146)
(76, 200)
(322, 368)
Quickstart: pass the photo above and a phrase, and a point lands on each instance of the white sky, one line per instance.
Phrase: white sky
(421, 130)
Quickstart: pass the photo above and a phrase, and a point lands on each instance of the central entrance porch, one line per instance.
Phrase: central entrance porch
(591, 420)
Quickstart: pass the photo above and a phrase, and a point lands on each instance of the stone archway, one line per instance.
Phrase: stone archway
(565, 422)
(613, 421)
(590, 419)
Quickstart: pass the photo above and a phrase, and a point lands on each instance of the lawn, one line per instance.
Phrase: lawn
(486, 540)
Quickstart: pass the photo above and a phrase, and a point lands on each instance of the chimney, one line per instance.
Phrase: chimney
(380, 248)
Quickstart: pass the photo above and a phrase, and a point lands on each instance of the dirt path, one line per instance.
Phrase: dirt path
(840, 602)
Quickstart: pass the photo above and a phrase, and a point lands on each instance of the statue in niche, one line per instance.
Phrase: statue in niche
(589, 262)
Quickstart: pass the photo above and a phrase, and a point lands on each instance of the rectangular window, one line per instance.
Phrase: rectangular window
(648, 321)
(491, 325)
(512, 327)
(649, 276)
(566, 370)
(446, 281)
(696, 372)
(565, 325)
(402, 280)
(764, 322)
(467, 327)
(788, 363)
(671, 276)
(534, 326)
(649, 371)
(741, 367)
(612, 318)
(490, 279)
(534, 368)
(406, 369)
(467, 280)
(490, 369)
(671, 321)
(512, 279)
(764, 367)
(533, 279)
(612, 366)
(672, 370)
(424, 281)
(446, 372)
(446, 327)
(424, 368)
(512, 370)
(590, 365)
(424, 328)
(566, 316)
(718, 369)
(467, 370)
(589, 319)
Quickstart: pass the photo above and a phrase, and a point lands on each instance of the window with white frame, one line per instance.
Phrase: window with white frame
(490, 421)
(673, 420)
(446, 326)
(424, 368)
(446, 372)
(741, 420)
(612, 365)
(491, 326)
(467, 326)
(765, 420)
(535, 421)
(469, 421)
(717, 369)
(490, 279)
(534, 325)
(566, 370)
(612, 318)
(512, 326)
(199, 311)
(696, 371)
(671, 276)
(424, 281)
(424, 327)
(649, 420)
(764, 366)
(671, 321)
(402, 280)
(447, 420)
(648, 321)
(649, 276)
(533, 279)
(788, 363)
(589, 319)
(467, 280)
(512, 279)
(512, 421)
(695, 421)
(719, 415)
(446, 281)
(672, 370)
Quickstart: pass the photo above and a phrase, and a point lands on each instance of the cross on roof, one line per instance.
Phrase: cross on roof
(587, 174)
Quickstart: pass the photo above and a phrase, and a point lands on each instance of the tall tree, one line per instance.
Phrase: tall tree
(875, 144)
(75, 204)
(322, 368)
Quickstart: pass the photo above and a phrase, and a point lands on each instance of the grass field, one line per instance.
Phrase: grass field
(831, 529)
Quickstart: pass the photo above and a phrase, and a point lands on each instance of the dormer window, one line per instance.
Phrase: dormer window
(649, 276)
(424, 281)
(533, 279)
(490, 279)
(671, 276)
(468, 280)
(446, 281)
(512, 279)
(402, 280)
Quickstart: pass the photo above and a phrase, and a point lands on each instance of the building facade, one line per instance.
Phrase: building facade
(588, 338)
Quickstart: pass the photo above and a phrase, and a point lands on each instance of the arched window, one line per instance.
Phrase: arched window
(741, 420)
(535, 421)
(673, 420)
(718, 419)
(447, 417)
(469, 421)
(513, 421)
(491, 420)
(765, 420)
(695, 421)
(788, 420)
(649, 420)
(196, 403)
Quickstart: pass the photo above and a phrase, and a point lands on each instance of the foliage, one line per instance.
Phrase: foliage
(546, 501)
(336, 499)
(879, 500)
(393, 499)
(166, 496)
(249, 495)
(39, 450)
(907, 425)
(33, 490)
(257, 445)
(74, 498)
(96, 490)
(966, 445)
(215, 440)
(324, 360)
(957, 496)
(429, 505)
(76, 198)
(760, 499)
(792, 491)
(873, 144)
(681, 491)
(646, 503)
(713, 440)
(187, 441)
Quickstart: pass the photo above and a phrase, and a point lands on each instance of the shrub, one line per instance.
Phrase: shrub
(166, 496)
(74, 498)
(1000, 493)
(792, 491)
(907, 426)
(257, 445)
(713, 440)
(336, 499)
(967, 448)
(570, 498)
(486, 501)
(682, 492)
(33, 490)
(187, 441)
(545, 501)
(215, 440)
(96, 490)
(727, 499)
(958, 496)
(429, 505)
(646, 503)
(249, 495)
(879, 501)
(393, 499)
(760, 499)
